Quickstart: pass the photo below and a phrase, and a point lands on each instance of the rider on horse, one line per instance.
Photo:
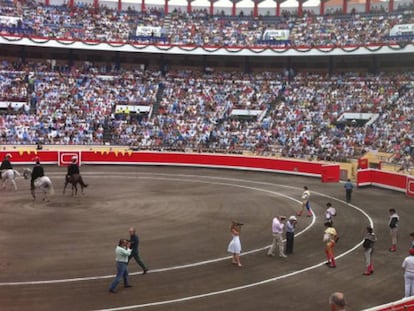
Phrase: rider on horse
(73, 169)
(6, 165)
(37, 172)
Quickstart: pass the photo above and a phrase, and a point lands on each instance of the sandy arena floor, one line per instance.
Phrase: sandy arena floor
(59, 255)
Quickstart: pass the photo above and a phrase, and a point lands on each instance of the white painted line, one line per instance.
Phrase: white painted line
(266, 281)
(233, 289)
(276, 278)
(191, 265)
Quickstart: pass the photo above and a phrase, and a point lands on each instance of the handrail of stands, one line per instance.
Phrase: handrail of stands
(282, 46)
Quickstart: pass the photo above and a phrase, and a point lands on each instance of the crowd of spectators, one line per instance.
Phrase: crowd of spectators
(72, 105)
(103, 24)
(195, 110)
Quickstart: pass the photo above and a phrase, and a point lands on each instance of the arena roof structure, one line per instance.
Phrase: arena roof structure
(250, 7)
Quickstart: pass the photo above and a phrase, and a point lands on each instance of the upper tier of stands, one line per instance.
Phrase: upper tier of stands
(86, 23)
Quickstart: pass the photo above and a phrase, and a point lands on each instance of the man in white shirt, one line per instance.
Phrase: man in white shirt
(393, 224)
(408, 266)
(122, 252)
(330, 213)
(277, 231)
(305, 203)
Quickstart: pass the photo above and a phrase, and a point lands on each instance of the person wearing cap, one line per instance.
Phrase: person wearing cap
(5, 164)
(329, 238)
(37, 172)
(408, 266)
(290, 234)
(277, 231)
(73, 169)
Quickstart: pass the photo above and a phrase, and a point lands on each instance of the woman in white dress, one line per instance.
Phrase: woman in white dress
(235, 245)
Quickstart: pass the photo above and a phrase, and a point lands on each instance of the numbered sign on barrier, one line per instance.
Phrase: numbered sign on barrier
(66, 157)
(410, 186)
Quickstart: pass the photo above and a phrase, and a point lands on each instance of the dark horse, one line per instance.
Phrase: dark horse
(74, 180)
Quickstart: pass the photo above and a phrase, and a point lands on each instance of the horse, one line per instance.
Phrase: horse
(42, 183)
(9, 175)
(74, 180)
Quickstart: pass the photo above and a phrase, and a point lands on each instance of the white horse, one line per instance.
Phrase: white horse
(42, 183)
(9, 176)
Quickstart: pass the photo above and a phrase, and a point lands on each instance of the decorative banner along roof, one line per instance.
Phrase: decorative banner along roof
(386, 48)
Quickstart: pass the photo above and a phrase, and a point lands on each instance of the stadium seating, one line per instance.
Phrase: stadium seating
(85, 23)
(296, 118)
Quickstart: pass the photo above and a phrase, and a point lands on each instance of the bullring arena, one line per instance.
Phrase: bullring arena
(186, 115)
(60, 254)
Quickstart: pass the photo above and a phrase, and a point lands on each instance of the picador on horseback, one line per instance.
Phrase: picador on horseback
(73, 169)
(37, 172)
(6, 165)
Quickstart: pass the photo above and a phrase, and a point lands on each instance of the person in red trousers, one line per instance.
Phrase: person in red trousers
(330, 238)
(368, 245)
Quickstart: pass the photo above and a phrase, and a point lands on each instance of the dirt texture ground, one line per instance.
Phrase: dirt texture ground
(59, 255)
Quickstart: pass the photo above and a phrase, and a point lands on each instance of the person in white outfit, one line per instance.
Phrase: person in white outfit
(305, 203)
(408, 266)
(277, 231)
(235, 244)
(330, 213)
(393, 224)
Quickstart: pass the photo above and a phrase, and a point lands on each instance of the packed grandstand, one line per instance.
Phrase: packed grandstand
(315, 114)
(103, 24)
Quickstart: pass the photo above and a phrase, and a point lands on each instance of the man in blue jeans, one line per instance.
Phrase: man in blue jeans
(348, 190)
(134, 241)
(122, 253)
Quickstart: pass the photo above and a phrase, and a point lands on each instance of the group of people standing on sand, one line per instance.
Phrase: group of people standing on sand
(330, 238)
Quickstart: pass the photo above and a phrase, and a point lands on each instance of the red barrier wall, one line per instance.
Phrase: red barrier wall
(383, 179)
(328, 173)
(26, 157)
(406, 304)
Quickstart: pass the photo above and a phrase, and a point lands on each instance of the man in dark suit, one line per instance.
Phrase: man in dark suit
(134, 240)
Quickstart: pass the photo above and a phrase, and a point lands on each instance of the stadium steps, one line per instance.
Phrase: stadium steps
(167, 24)
(107, 135)
(158, 96)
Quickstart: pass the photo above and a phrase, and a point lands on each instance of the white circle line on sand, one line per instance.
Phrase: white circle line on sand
(228, 290)
(273, 279)
(205, 262)
(268, 184)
